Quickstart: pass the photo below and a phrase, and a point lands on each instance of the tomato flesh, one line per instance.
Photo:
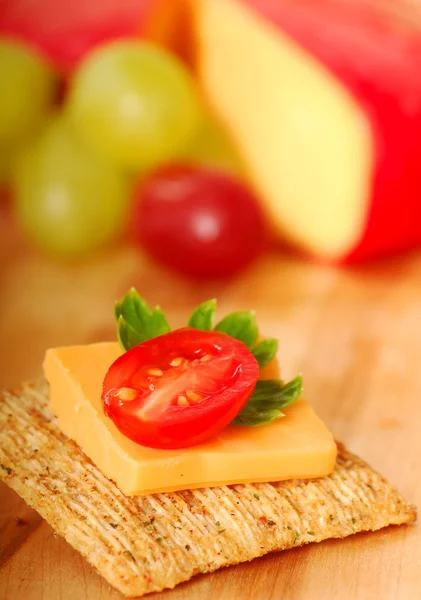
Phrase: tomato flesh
(179, 389)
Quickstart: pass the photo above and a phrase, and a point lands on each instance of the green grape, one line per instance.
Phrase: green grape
(212, 147)
(5, 166)
(8, 156)
(10, 151)
(135, 103)
(27, 90)
(69, 201)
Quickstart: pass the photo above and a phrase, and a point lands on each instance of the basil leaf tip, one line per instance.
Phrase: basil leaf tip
(136, 322)
(240, 325)
(268, 400)
(265, 351)
(202, 316)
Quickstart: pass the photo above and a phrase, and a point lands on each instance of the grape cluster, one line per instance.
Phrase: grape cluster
(123, 148)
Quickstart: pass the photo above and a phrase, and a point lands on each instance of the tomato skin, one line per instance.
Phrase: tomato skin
(181, 426)
(199, 221)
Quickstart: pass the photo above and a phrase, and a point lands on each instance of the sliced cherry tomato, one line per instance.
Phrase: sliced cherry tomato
(179, 389)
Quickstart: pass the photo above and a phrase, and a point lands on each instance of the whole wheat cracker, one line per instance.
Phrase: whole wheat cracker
(145, 544)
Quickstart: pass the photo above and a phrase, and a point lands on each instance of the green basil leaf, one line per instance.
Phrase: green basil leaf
(265, 351)
(202, 316)
(136, 323)
(267, 401)
(241, 326)
(265, 395)
(258, 418)
(126, 335)
(291, 391)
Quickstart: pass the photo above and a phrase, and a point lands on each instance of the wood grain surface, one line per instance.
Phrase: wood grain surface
(354, 334)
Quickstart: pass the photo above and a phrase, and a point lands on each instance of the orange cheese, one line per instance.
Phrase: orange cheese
(304, 140)
(297, 446)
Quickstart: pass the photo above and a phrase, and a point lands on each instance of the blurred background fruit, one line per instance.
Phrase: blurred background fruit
(67, 30)
(322, 99)
(6, 159)
(200, 221)
(211, 146)
(135, 103)
(74, 148)
(69, 201)
(312, 108)
(28, 87)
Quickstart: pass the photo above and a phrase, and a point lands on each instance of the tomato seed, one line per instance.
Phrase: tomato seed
(155, 372)
(194, 396)
(206, 357)
(126, 394)
(182, 401)
(176, 362)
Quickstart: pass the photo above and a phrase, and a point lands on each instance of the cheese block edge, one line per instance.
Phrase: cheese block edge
(137, 470)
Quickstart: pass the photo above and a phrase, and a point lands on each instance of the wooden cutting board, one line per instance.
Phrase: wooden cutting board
(354, 334)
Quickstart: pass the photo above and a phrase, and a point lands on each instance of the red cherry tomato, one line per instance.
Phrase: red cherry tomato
(199, 221)
(180, 388)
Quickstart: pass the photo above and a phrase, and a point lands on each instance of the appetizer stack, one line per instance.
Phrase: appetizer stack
(180, 452)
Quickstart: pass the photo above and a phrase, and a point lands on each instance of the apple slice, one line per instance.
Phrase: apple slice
(323, 101)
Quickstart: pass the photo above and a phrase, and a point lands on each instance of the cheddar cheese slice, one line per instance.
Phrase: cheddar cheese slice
(298, 446)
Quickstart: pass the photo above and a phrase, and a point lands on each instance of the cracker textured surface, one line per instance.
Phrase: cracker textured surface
(149, 543)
